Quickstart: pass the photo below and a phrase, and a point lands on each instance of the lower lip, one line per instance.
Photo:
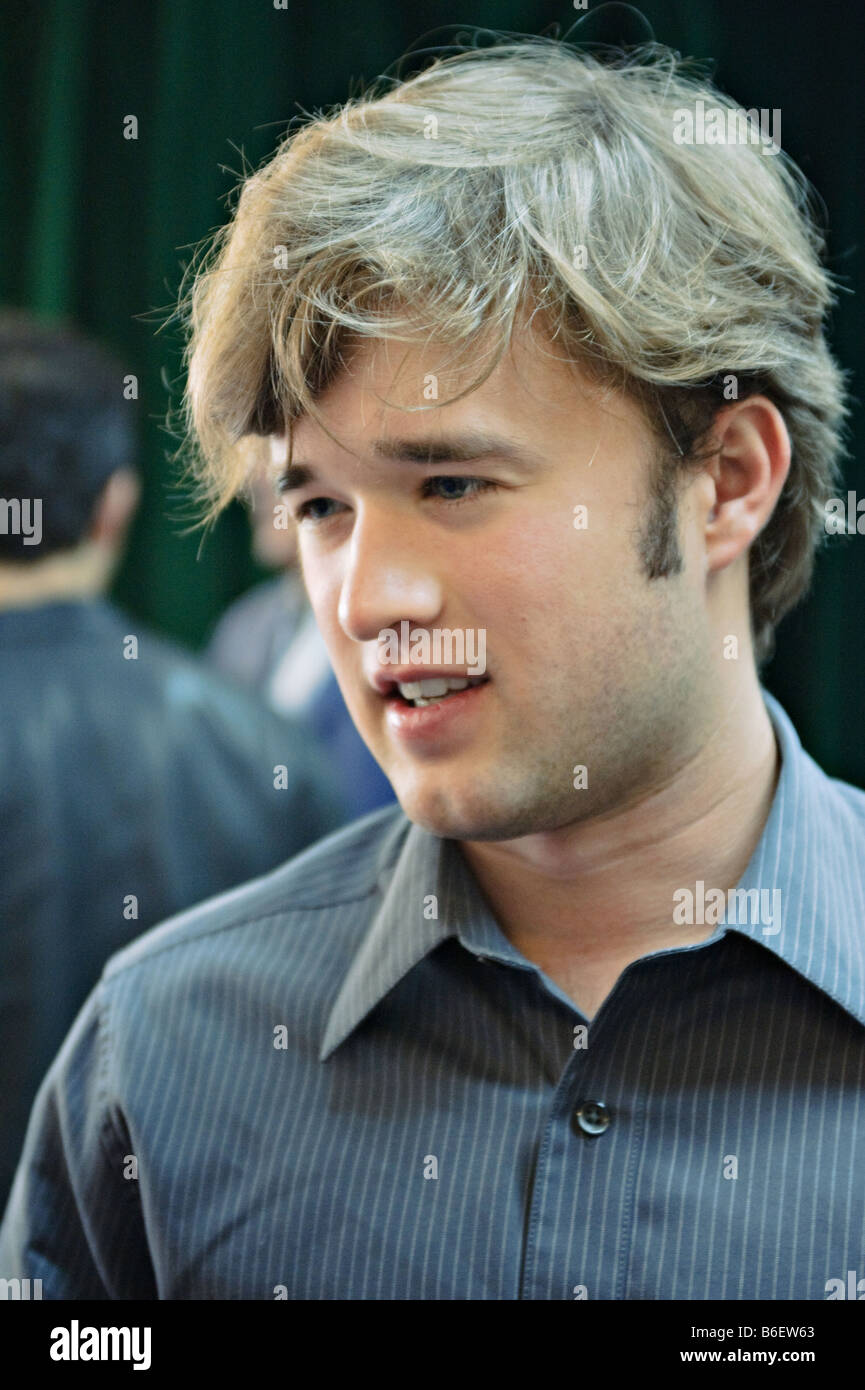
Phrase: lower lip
(410, 723)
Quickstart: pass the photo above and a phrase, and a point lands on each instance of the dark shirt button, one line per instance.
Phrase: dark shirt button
(592, 1116)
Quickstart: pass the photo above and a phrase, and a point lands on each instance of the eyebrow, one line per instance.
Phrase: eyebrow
(464, 448)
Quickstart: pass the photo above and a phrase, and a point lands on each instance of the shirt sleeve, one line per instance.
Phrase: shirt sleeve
(74, 1218)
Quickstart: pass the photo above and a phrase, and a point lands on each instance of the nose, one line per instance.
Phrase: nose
(390, 575)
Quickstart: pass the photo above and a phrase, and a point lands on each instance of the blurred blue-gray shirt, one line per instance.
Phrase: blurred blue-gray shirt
(134, 783)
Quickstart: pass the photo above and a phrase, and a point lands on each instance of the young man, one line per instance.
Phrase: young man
(546, 386)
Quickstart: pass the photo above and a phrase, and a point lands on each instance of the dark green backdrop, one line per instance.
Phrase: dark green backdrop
(97, 227)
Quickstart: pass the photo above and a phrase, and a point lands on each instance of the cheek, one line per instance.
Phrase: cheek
(322, 585)
(557, 570)
(577, 596)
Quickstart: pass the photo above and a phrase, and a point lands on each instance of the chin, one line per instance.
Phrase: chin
(454, 815)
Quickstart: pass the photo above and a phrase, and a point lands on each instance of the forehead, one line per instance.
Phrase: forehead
(420, 390)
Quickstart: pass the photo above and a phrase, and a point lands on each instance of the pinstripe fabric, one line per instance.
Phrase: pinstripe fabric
(331, 1093)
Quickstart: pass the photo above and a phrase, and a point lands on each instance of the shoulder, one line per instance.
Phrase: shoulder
(169, 683)
(847, 803)
(272, 604)
(809, 797)
(334, 876)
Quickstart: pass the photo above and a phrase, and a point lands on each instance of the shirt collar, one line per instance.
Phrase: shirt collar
(408, 925)
(811, 851)
(807, 851)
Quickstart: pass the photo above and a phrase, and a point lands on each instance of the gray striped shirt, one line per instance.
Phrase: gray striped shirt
(343, 1082)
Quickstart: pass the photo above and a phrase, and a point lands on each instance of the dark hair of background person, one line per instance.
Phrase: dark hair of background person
(63, 416)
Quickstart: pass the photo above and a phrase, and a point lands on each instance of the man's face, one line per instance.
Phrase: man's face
(587, 662)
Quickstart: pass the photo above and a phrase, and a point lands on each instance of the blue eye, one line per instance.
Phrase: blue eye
(306, 509)
(471, 487)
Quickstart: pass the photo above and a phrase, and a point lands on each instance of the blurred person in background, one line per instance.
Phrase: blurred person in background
(135, 782)
(269, 640)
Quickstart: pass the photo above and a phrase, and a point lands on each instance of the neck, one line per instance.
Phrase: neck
(82, 573)
(594, 895)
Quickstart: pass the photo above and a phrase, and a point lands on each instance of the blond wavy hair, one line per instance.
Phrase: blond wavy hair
(524, 175)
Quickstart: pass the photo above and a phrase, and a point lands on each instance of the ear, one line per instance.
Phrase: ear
(744, 478)
(115, 508)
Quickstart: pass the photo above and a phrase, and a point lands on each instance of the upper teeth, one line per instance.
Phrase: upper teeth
(438, 685)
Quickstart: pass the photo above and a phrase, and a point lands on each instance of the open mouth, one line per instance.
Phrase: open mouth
(434, 691)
